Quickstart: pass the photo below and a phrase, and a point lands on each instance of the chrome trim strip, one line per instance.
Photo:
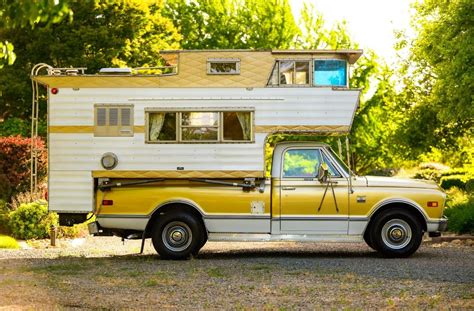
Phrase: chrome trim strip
(398, 200)
(237, 216)
(324, 218)
(264, 237)
(122, 216)
(178, 201)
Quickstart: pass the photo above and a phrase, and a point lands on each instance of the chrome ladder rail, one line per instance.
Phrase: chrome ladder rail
(34, 126)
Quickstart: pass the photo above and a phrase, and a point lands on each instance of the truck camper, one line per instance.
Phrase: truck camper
(177, 154)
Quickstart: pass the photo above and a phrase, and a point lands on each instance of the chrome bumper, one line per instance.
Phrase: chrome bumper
(437, 225)
(443, 224)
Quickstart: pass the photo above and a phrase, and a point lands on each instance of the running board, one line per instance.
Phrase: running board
(258, 237)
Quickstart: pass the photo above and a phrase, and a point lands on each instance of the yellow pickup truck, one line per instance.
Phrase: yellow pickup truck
(177, 153)
(311, 196)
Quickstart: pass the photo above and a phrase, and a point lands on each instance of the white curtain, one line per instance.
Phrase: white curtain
(244, 120)
(156, 124)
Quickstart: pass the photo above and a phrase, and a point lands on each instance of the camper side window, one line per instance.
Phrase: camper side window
(162, 126)
(223, 66)
(199, 126)
(330, 72)
(113, 120)
(290, 72)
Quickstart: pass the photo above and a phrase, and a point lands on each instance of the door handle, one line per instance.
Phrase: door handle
(288, 188)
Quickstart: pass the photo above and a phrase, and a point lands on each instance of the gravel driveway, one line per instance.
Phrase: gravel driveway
(104, 273)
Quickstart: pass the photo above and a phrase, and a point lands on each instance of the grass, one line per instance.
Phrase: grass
(215, 273)
(8, 242)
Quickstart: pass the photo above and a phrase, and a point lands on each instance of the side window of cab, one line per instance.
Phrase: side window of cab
(304, 163)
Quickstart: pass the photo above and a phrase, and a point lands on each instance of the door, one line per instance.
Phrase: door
(308, 206)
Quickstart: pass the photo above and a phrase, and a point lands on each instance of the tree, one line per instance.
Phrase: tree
(233, 24)
(438, 78)
(102, 34)
(314, 34)
(24, 13)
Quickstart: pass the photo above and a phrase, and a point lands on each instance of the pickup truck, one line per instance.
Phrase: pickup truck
(311, 196)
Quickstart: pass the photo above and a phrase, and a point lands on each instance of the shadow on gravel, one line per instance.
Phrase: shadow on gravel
(236, 254)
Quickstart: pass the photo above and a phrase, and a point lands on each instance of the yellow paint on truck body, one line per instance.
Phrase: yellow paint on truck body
(208, 198)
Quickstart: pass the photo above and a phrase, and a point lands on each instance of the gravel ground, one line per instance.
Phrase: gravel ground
(104, 273)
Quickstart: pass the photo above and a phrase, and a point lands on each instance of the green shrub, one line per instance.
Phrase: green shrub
(76, 231)
(4, 217)
(455, 171)
(32, 221)
(428, 174)
(450, 181)
(461, 216)
(17, 126)
(8, 242)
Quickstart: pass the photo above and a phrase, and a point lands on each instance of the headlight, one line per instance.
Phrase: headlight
(109, 160)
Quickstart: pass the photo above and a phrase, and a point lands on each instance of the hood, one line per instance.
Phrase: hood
(377, 181)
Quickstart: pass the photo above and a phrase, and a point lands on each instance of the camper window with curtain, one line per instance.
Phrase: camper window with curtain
(162, 126)
(199, 126)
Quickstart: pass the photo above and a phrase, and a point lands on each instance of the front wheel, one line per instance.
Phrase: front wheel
(396, 233)
(177, 235)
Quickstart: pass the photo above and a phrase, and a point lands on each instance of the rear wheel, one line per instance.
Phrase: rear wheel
(396, 233)
(177, 235)
(201, 244)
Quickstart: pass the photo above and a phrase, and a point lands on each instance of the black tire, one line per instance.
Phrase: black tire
(368, 238)
(201, 244)
(177, 235)
(396, 233)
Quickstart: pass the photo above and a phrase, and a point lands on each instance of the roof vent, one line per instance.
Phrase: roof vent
(115, 71)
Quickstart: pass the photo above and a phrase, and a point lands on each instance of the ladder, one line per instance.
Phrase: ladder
(34, 126)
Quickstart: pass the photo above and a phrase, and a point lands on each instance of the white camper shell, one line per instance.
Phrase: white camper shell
(205, 114)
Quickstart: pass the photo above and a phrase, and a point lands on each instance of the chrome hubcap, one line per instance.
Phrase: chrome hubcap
(396, 233)
(177, 236)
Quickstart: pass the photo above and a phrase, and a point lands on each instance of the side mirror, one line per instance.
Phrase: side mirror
(323, 172)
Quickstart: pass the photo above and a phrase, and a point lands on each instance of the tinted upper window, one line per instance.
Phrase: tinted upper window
(330, 72)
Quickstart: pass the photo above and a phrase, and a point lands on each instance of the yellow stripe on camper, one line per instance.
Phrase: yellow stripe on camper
(84, 129)
(301, 128)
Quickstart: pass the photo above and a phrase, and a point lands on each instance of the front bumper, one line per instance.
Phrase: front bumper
(443, 224)
(436, 227)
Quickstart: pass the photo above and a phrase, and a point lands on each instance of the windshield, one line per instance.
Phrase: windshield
(338, 160)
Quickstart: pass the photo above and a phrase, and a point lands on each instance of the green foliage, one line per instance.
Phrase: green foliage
(316, 35)
(19, 14)
(437, 80)
(8, 242)
(376, 121)
(32, 221)
(460, 178)
(7, 55)
(428, 174)
(15, 153)
(102, 34)
(460, 211)
(4, 217)
(233, 24)
(17, 126)
(457, 181)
